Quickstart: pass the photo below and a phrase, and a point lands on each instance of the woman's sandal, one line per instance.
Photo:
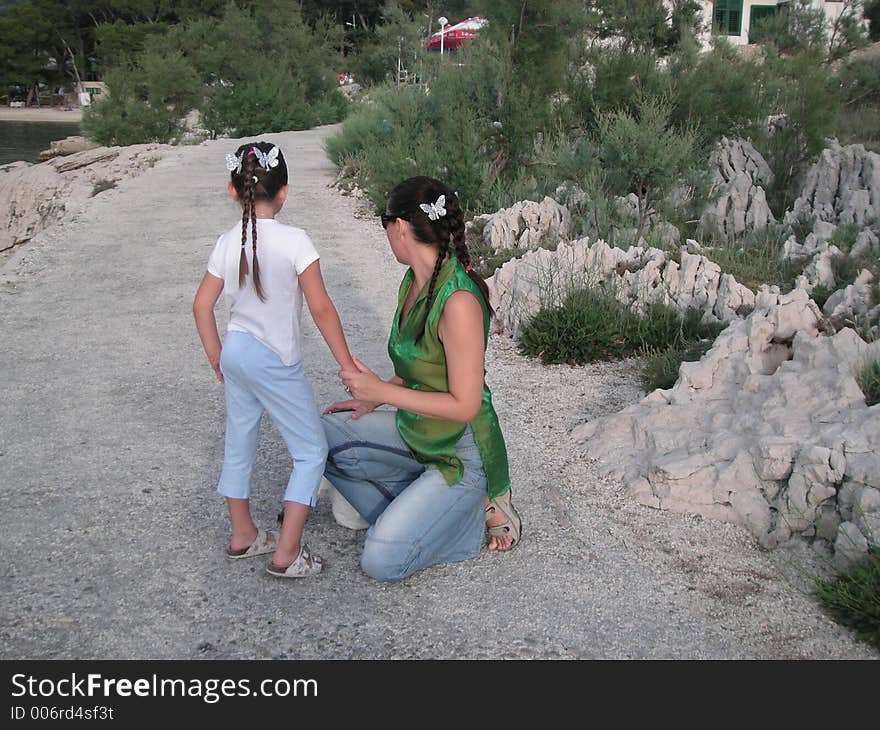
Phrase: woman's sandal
(304, 566)
(513, 527)
(266, 541)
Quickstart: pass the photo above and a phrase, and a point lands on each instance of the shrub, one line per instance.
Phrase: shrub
(869, 382)
(718, 88)
(820, 294)
(127, 116)
(368, 126)
(275, 104)
(645, 155)
(661, 367)
(591, 325)
(755, 258)
(853, 597)
(803, 89)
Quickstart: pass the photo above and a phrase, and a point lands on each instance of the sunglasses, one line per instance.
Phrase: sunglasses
(387, 218)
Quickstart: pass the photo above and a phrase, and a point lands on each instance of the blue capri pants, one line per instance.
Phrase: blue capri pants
(256, 380)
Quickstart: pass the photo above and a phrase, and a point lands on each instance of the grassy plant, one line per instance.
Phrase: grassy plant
(487, 261)
(820, 295)
(845, 237)
(860, 125)
(101, 185)
(661, 366)
(869, 382)
(591, 325)
(853, 597)
(755, 258)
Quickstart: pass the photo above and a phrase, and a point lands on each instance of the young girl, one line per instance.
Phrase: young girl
(265, 267)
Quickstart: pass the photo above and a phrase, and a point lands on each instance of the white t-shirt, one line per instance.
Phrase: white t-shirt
(283, 252)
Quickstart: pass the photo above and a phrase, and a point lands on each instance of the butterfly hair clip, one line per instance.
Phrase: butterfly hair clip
(435, 210)
(233, 162)
(268, 159)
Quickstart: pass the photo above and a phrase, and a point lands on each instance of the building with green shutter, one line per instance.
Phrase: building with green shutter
(734, 18)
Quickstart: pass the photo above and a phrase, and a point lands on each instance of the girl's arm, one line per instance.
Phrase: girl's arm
(461, 331)
(203, 310)
(325, 315)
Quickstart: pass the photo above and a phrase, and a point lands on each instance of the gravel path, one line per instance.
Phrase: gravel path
(111, 438)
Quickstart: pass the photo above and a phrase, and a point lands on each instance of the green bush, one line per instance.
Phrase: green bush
(719, 90)
(660, 369)
(590, 325)
(869, 382)
(367, 126)
(859, 119)
(331, 107)
(820, 294)
(136, 109)
(853, 597)
(275, 104)
(805, 91)
(645, 154)
(755, 258)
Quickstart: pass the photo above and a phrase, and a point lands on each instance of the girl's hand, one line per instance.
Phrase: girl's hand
(360, 407)
(214, 360)
(364, 384)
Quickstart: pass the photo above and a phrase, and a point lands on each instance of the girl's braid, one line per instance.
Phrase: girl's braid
(249, 210)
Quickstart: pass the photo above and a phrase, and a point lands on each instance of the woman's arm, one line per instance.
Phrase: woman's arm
(203, 310)
(461, 331)
(325, 315)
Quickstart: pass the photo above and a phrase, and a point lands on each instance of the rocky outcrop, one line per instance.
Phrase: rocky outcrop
(67, 146)
(740, 174)
(526, 224)
(637, 276)
(843, 187)
(34, 197)
(768, 430)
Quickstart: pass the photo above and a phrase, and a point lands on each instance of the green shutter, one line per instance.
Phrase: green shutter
(728, 17)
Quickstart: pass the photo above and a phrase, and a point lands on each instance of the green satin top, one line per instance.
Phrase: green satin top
(422, 366)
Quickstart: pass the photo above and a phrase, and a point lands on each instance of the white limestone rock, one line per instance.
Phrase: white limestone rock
(740, 202)
(34, 197)
(527, 224)
(768, 430)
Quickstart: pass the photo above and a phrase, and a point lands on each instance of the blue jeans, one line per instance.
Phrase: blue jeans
(257, 380)
(416, 519)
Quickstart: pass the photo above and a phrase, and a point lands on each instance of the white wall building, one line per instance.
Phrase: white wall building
(734, 18)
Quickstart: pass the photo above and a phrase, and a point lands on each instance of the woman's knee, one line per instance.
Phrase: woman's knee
(386, 562)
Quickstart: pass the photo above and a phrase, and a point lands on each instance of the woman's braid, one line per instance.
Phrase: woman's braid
(441, 257)
(459, 245)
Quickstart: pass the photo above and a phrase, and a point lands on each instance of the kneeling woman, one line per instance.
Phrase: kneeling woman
(428, 476)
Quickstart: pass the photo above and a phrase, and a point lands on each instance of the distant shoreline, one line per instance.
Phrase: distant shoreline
(40, 114)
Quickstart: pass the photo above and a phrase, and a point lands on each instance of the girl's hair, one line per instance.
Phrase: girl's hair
(253, 182)
(445, 232)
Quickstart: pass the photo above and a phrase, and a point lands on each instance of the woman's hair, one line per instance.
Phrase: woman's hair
(252, 182)
(446, 231)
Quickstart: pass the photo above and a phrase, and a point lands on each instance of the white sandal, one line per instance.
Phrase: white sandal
(266, 541)
(304, 566)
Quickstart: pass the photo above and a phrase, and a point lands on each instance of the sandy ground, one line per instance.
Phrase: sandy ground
(39, 114)
(111, 441)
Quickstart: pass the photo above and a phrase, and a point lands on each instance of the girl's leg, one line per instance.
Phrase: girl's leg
(430, 522)
(243, 413)
(368, 462)
(285, 393)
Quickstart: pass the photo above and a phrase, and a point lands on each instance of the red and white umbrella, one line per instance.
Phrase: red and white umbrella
(454, 36)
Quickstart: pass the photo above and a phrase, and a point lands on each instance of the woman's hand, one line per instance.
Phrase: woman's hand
(364, 384)
(360, 407)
